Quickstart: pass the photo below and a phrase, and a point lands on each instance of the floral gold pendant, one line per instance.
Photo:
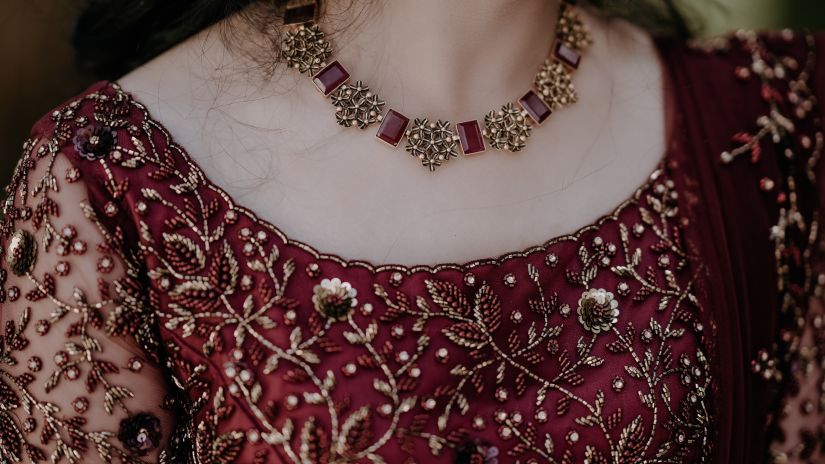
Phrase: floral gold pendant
(507, 128)
(432, 142)
(355, 105)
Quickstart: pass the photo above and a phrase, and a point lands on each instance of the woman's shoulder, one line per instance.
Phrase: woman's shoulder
(85, 126)
(67, 163)
(66, 144)
(70, 288)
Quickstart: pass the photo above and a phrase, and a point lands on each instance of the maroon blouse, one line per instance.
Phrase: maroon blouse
(683, 327)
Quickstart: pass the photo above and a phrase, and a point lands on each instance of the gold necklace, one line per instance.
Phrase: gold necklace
(306, 49)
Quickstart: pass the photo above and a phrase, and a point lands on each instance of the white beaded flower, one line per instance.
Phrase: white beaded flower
(334, 298)
(598, 311)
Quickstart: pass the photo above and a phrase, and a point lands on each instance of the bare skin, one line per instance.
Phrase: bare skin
(273, 143)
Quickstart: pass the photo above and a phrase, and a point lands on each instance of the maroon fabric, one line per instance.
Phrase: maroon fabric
(735, 218)
(716, 246)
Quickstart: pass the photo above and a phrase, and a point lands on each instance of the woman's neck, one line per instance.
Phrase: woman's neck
(455, 59)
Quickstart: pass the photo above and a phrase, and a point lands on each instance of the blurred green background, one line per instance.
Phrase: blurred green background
(764, 14)
(38, 71)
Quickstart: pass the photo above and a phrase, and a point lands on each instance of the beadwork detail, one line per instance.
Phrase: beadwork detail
(225, 293)
(22, 252)
(598, 310)
(334, 299)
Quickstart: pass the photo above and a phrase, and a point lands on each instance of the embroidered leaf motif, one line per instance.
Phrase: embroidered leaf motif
(614, 419)
(256, 265)
(631, 442)
(634, 372)
(587, 421)
(563, 405)
(357, 430)
(548, 443)
(9, 400)
(488, 308)
(10, 438)
(115, 395)
(313, 398)
(448, 296)
(313, 443)
(382, 387)
(466, 334)
(226, 448)
(183, 253)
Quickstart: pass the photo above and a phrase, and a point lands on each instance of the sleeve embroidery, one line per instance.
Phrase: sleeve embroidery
(50, 401)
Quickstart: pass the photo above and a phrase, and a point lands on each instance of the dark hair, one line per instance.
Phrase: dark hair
(112, 37)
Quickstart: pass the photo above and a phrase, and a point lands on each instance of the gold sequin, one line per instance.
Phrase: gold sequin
(22, 252)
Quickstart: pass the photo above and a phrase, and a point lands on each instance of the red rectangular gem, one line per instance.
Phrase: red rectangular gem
(393, 127)
(535, 106)
(567, 55)
(469, 133)
(330, 78)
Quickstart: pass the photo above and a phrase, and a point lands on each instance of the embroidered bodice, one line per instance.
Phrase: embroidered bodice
(149, 317)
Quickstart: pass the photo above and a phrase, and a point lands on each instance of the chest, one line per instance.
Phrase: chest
(346, 193)
(590, 346)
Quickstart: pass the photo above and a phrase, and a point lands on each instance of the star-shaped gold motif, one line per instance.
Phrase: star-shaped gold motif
(432, 142)
(507, 128)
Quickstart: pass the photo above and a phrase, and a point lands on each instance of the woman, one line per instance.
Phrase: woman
(635, 281)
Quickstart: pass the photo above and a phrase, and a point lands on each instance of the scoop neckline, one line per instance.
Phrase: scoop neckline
(463, 266)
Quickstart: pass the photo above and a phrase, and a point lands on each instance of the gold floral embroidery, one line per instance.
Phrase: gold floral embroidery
(333, 298)
(474, 325)
(21, 412)
(598, 310)
(219, 281)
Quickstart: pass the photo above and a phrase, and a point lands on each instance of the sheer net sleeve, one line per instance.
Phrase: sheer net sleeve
(75, 384)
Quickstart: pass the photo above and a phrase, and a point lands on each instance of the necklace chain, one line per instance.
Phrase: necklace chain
(306, 49)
